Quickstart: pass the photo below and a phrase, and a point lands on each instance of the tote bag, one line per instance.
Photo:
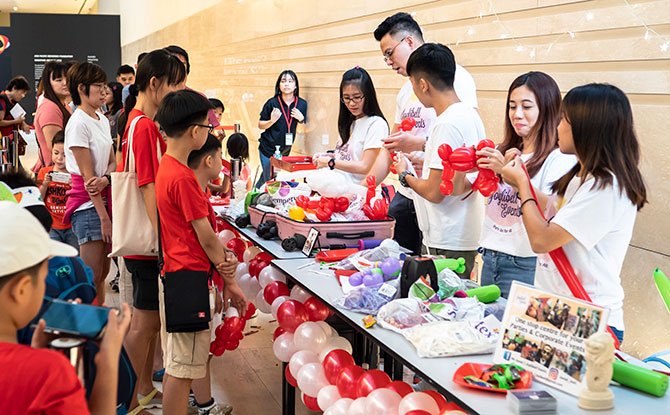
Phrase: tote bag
(132, 233)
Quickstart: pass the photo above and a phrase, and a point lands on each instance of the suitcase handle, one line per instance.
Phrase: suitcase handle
(353, 235)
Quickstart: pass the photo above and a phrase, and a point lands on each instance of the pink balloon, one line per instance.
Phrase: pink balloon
(241, 269)
(309, 336)
(382, 402)
(311, 379)
(418, 401)
(334, 343)
(358, 407)
(300, 359)
(327, 396)
(250, 253)
(283, 347)
(298, 293)
(225, 236)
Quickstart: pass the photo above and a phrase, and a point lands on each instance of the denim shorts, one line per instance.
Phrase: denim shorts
(86, 225)
(64, 235)
(502, 269)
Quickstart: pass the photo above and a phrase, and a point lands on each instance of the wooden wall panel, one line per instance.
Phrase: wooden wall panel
(238, 48)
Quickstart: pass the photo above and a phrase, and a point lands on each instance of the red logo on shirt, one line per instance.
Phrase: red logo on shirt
(201, 315)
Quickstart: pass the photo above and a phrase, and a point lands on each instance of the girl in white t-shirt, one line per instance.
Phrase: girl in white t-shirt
(532, 115)
(90, 159)
(361, 125)
(599, 197)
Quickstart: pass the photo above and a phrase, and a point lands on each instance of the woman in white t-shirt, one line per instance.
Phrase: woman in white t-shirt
(90, 159)
(532, 115)
(361, 125)
(597, 201)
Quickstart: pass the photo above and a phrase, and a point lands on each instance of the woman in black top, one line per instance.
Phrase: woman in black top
(279, 118)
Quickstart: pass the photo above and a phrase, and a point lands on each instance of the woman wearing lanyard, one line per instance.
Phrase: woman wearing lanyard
(279, 118)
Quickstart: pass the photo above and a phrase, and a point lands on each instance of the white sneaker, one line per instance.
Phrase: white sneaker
(216, 409)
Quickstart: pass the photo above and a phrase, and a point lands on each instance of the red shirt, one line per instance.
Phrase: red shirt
(55, 198)
(146, 138)
(180, 201)
(6, 131)
(39, 382)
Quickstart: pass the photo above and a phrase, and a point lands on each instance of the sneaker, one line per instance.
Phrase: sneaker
(192, 405)
(114, 282)
(158, 376)
(216, 409)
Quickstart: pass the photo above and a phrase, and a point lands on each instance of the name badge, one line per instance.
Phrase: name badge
(289, 139)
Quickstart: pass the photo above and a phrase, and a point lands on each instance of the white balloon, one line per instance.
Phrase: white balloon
(334, 343)
(244, 282)
(283, 347)
(327, 396)
(298, 293)
(310, 336)
(250, 253)
(340, 407)
(358, 407)
(327, 329)
(254, 287)
(382, 401)
(269, 274)
(261, 304)
(276, 303)
(225, 236)
(300, 359)
(311, 379)
(241, 269)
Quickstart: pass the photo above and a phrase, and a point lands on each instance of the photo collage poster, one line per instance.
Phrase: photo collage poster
(545, 333)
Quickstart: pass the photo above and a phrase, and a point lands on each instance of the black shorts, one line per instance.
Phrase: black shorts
(144, 274)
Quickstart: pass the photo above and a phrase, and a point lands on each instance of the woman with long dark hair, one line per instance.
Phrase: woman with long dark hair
(532, 114)
(280, 117)
(114, 107)
(593, 215)
(53, 112)
(361, 126)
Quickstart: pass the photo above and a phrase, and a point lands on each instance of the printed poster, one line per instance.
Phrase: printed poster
(545, 333)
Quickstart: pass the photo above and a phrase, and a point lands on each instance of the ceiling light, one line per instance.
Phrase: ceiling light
(15, 8)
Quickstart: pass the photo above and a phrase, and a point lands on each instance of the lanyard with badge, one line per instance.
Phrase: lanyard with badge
(289, 120)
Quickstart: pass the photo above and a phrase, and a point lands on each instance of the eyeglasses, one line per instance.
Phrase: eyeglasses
(387, 55)
(355, 100)
(101, 87)
(209, 127)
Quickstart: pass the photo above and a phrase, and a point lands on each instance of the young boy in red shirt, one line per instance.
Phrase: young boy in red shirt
(188, 240)
(36, 380)
(53, 188)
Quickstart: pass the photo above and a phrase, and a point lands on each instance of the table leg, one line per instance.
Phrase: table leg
(359, 348)
(288, 394)
(397, 369)
(388, 363)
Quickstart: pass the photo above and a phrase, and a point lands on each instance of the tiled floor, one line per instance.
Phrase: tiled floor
(248, 378)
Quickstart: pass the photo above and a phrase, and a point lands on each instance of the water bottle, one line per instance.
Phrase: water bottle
(277, 154)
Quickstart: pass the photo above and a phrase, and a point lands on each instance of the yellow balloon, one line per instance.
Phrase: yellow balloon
(296, 213)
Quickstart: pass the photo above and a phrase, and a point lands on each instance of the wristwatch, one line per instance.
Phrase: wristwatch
(401, 178)
(331, 164)
(109, 179)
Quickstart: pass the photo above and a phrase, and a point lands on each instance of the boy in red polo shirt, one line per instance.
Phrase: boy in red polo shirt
(188, 240)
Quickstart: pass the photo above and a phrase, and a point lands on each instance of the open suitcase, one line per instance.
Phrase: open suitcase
(336, 233)
(261, 215)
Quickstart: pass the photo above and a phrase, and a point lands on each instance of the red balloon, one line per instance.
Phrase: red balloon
(291, 314)
(218, 331)
(371, 380)
(232, 344)
(275, 289)
(238, 247)
(400, 387)
(278, 332)
(255, 267)
(334, 362)
(346, 381)
(439, 400)
(253, 262)
(418, 412)
(238, 336)
(289, 378)
(250, 311)
(316, 310)
(217, 347)
(311, 403)
(233, 324)
(264, 256)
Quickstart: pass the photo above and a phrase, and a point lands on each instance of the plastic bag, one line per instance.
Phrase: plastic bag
(369, 300)
(458, 309)
(285, 193)
(448, 283)
(367, 257)
(404, 313)
(454, 338)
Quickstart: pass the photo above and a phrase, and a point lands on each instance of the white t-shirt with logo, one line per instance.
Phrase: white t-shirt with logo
(366, 133)
(503, 228)
(601, 221)
(84, 131)
(455, 223)
(408, 105)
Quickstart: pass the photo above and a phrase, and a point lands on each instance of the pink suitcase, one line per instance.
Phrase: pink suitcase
(257, 216)
(332, 233)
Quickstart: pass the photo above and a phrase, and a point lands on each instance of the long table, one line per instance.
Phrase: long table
(439, 371)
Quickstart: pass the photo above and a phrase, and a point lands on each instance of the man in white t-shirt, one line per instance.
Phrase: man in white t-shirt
(451, 225)
(399, 35)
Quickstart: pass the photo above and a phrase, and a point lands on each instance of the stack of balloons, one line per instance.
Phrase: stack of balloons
(320, 364)
(229, 333)
(382, 271)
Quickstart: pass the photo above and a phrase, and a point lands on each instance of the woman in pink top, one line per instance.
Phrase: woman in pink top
(53, 113)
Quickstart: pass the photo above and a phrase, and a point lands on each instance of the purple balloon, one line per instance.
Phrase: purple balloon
(390, 266)
(374, 279)
(367, 271)
(356, 279)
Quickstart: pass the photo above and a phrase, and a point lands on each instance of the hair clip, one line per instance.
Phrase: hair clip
(357, 67)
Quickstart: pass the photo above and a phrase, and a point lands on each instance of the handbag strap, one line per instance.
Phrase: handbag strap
(160, 244)
(130, 154)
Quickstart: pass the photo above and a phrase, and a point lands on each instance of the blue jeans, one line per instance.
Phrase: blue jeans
(66, 236)
(267, 170)
(501, 269)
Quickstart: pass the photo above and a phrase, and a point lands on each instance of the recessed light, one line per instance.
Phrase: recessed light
(15, 8)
